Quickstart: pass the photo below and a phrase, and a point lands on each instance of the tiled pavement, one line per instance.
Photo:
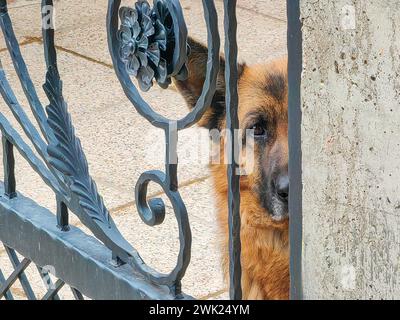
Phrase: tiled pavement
(119, 144)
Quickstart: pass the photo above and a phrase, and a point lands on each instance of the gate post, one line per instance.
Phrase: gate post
(350, 145)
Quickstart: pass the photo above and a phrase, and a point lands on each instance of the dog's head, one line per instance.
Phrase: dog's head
(263, 110)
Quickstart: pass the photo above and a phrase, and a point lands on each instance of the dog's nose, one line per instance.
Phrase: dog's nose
(282, 187)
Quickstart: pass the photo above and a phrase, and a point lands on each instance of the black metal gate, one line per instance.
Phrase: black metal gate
(119, 271)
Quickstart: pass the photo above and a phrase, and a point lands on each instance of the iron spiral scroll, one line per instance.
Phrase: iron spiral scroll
(169, 36)
(156, 51)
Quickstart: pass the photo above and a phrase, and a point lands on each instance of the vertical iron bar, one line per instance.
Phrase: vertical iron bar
(48, 34)
(232, 124)
(9, 168)
(172, 155)
(77, 294)
(295, 156)
(62, 215)
(22, 72)
(47, 280)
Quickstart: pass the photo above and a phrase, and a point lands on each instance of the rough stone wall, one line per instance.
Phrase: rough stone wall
(351, 149)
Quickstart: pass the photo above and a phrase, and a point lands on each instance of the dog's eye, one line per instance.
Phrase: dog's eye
(259, 130)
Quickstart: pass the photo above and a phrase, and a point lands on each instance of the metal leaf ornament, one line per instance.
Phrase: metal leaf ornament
(66, 153)
(147, 40)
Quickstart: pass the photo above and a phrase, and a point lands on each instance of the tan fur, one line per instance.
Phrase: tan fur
(265, 247)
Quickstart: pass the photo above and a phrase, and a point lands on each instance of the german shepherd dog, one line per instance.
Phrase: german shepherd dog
(264, 192)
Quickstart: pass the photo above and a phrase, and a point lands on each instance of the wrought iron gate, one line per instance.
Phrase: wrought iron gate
(61, 163)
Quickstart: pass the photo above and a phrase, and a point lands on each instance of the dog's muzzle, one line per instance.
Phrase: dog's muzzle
(280, 200)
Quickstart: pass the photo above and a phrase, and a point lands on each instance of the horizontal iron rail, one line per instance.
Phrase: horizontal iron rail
(78, 259)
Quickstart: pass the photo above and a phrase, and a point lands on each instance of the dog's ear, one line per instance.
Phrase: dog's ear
(192, 87)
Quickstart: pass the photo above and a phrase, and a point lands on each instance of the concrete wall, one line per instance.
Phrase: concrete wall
(351, 148)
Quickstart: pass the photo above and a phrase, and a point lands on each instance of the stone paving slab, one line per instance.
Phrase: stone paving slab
(76, 21)
(260, 38)
(219, 296)
(27, 21)
(272, 9)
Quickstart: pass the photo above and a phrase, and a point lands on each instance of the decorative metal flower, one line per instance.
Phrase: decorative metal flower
(147, 43)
